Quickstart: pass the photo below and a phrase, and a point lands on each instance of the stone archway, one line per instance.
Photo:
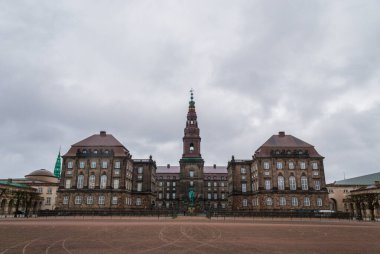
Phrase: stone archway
(2, 206)
(333, 204)
(10, 206)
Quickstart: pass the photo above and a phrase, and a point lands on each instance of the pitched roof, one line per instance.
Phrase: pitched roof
(285, 142)
(360, 180)
(99, 140)
(206, 169)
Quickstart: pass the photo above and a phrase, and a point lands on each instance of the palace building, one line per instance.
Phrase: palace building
(285, 173)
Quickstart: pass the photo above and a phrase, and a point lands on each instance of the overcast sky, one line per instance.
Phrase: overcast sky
(69, 69)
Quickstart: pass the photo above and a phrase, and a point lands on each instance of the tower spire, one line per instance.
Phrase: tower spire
(57, 168)
(192, 102)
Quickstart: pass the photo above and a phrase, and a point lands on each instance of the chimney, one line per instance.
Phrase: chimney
(168, 166)
(103, 133)
(281, 134)
(214, 165)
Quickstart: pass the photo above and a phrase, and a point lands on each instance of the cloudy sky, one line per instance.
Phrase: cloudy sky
(69, 69)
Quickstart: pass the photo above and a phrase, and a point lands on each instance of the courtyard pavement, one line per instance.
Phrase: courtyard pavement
(186, 235)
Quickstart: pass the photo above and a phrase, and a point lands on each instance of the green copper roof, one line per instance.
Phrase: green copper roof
(191, 102)
(360, 180)
(18, 185)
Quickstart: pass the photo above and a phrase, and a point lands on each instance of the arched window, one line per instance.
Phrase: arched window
(281, 183)
(80, 181)
(91, 182)
(304, 183)
(191, 147)
(103, 182)
(292, 183)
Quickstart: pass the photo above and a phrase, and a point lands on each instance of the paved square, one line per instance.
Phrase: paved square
(186, 235)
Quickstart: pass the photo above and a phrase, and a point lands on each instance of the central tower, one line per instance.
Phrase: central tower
(191, 163)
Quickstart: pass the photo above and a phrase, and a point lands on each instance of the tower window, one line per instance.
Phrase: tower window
(191, 147)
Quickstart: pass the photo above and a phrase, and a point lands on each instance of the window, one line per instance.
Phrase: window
(269, 201)
(191, 183)
(103, 182)
(168, 184)
(69, 172)
(223, 196)
(173, 184)
(116, 183)
(139, 186)
(104, 164)
(167, 195)
(215, 184)
(49, 190)
(215, 195)
(266, 173)
(39, 190)
(245, 202)
(306, 201)
(317, 185)
(243, 170)
(114, 200)
(191, 147)
(279, 165)
(267, 184)
(292, 183)
(101, 200)
(140, 170)
(70, 164)
(93, 164)
(281, 183)
(173, 195)
(291, 165)
(319, 202)
(159, 183)
(81, 164)
(255, 202)
(90, 200)
(304, 183)
(243, 178)
(117, 164)
(191, 173)
(80, 181)
(208, 195)
(294, 201)
(116, 172)
(91, 182)
(266, 165)
(48, 201)
(160, 195)
(282, 201)
(243, 187)
(315, 173)
(78, 200)
(253, 186)
(222, 184)
(315, 165)
(223, 205)
(209, 184)
(302, 165)
(68, 184)
(65, 200)
(138, 201)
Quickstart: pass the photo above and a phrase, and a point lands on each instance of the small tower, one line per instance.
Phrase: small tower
(57, 168)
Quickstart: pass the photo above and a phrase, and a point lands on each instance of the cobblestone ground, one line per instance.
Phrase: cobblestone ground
(186, 235)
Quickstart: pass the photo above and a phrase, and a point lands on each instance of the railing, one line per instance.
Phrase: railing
(280, 214)
(105, 212)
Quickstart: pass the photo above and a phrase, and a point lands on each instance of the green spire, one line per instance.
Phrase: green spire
(191, 102)
(57, 168)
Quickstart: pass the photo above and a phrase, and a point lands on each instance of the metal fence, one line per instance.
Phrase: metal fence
(105, 212)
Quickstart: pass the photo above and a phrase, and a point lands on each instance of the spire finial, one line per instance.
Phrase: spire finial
(192, 103)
